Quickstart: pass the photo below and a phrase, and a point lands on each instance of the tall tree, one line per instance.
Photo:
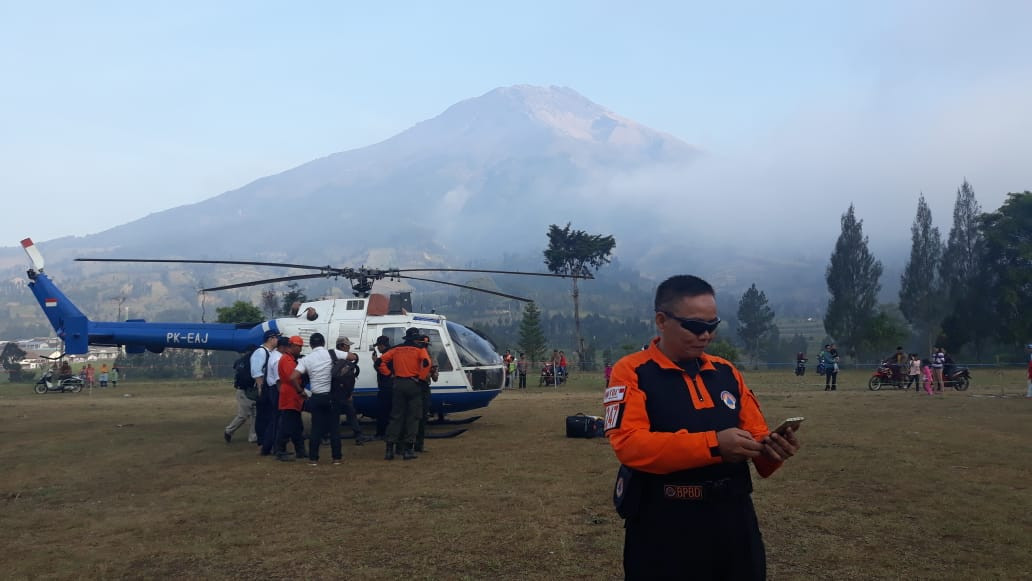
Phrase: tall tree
(969, 317)
(1008, 258)
(239, 312)
(920, 294)
(577, 253)
(270, 302)
(293, 295)
(532, 338)
(960, 264)
(755, 320)
(852, 278)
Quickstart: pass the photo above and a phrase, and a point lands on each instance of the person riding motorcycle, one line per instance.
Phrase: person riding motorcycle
(896, 361)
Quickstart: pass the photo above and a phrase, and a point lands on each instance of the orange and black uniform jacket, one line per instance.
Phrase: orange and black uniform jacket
(662, 420)
(406, 361)
(289, 391)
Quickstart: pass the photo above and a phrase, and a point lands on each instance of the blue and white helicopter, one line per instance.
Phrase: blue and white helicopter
(471, 371)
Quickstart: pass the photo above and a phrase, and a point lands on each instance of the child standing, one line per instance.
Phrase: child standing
(914, 373)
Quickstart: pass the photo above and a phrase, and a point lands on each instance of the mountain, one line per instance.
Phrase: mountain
(485, 176)
(480, 182)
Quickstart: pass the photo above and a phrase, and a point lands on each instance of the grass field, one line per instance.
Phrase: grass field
(888, 484)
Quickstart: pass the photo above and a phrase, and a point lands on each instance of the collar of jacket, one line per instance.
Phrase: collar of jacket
(705, 363)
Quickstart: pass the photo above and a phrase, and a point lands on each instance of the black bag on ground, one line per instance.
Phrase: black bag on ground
(582, 426)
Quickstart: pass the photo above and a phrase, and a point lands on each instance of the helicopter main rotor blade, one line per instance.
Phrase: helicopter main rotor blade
(492, 272)
(483, 290)
(184, 261)
(268, 281)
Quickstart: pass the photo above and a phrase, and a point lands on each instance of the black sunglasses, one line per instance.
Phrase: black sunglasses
(694, 326)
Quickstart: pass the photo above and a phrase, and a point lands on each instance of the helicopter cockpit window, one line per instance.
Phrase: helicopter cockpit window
(437, 352)
(473, 350)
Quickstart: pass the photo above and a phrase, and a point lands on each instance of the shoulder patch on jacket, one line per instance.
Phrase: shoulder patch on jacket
(615, 394)
(614, 414)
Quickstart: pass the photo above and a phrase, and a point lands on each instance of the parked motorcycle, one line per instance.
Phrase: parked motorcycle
(47, 384)
(958, 377)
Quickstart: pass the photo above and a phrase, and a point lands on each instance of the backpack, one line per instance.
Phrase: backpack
(242, 378)
(582, 426)
(342, 377)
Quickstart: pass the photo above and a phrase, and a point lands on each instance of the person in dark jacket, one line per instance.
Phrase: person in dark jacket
(384, 386)
(684, 426)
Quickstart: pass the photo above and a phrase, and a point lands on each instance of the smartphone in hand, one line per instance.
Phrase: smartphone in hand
(793, 423)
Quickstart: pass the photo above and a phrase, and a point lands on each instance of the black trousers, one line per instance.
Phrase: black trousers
(325, 420)
(706, 540)
(523, 380)
(421, 431)
(272, 417)
(830, 379)
(291, 429)
(384, 399)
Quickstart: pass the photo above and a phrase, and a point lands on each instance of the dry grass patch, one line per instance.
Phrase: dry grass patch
(889, 484)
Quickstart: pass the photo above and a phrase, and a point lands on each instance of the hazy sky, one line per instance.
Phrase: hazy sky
(113, 110)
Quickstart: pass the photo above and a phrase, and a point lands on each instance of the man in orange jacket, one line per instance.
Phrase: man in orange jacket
(409, 363)
(684, 424)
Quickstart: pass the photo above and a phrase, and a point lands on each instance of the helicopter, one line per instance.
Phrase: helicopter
(470, 369)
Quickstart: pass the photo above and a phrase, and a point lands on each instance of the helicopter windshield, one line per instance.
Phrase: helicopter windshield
(473, 349)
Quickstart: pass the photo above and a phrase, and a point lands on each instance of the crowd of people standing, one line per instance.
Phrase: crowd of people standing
(281, 384)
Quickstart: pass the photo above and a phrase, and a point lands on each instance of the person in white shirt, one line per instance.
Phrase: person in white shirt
(259, 371)
(325, 416)
(270, 396)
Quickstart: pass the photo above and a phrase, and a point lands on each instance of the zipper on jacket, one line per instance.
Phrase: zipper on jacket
(698, 392)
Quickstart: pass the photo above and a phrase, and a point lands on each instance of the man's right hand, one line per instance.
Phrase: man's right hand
(737, 445)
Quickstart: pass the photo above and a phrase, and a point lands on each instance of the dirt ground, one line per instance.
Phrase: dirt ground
(889, 484)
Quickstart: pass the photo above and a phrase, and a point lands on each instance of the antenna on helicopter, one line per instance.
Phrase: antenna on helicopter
(361, 278)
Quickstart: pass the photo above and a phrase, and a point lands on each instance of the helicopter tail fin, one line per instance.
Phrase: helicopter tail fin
(68, 321)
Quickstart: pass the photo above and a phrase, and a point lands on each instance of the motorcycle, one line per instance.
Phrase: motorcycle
(884, 376)
(551, 375)
(958, 377)
(47, 384)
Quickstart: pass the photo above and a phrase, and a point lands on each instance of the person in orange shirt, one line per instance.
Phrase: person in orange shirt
(683, 425)
(291, 399)
(409, 363)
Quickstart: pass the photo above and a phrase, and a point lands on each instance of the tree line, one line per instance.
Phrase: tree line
(970, 293)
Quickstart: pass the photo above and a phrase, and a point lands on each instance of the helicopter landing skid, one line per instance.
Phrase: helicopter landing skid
(448, 434)
(445, 422)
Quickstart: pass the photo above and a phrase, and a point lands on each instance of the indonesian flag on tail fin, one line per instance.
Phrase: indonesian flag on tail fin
(34, 255)
(50, 303)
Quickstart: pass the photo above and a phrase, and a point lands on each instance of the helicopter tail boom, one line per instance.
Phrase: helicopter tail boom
(78, 332)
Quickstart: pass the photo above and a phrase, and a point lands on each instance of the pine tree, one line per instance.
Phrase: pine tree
(852, 278)
(960, 260)
(920, 295)
(755, 320)
(532, 338)
(965, 278)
